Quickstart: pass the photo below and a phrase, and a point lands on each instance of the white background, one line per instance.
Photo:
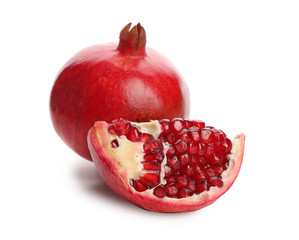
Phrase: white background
(241, 62)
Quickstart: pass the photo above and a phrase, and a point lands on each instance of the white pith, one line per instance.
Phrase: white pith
(129, 156)
(163, 163)
(152, 127)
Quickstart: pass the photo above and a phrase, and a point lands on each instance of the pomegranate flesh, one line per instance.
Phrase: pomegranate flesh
(110, 81)
(166, 165)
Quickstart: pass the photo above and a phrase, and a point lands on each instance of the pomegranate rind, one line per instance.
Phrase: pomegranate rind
(99, 143)
(109, 81)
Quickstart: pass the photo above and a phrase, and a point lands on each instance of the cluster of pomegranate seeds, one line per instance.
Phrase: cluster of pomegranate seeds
(196, 156)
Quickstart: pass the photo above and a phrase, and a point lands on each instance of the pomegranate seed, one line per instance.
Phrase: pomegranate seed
(180, 146)
(171, 179)
(197, 167)
(229, 145)
(191, 185)
(184, 193)
(171, 190)
(198, 123)
(184, 135)
(155, 156)
(225, 147)
(112, 129)
(173, 162)
(170, 151)
(188, 123)
(201, 149)
(219, 136)
(194, 159)
(202, 161)
(150, 179)
(211, 148)
(184, 159)
(194, 133)
(188, 170)
(133, 134)
(226, 159)
(164, 125)
(114, 143)
(170, 138)
(219, 169)
(215, 158)
(122, 125)
(160, 191)
(138, 186)
(193, 148)
(145, 137)
(202, 186)
(222, 133)
(168, 171)
(153, 146)
(162, 138)
(206, 135)
(215, 182)
(199, 175)
(151, 165)
(176, 124)
(210, 172)
(181, 181)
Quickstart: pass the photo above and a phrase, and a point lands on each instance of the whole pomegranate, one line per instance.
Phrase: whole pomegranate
(110, 81)
(166, 165)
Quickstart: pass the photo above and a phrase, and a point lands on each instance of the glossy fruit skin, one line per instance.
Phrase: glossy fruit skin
(105, 82)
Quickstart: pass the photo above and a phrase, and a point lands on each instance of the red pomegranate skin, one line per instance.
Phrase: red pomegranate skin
(110, 81)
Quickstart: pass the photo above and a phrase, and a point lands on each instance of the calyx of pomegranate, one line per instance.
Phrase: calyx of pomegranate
(132, 41)
(166, 165)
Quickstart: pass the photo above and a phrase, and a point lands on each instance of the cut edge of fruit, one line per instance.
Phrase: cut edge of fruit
(128, 155)
(108, 163)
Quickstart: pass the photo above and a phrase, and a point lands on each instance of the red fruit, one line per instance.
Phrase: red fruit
(164, 177)
(110, 81)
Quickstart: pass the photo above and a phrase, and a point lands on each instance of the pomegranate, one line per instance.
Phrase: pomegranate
(166, 165)
(109, 81)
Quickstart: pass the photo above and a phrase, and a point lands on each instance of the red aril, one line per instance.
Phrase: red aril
(164, 176)
(110, 81)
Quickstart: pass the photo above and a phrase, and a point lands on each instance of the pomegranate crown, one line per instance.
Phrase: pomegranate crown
(132, 41)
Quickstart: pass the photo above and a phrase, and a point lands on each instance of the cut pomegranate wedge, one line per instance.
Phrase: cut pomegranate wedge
(166, 165)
